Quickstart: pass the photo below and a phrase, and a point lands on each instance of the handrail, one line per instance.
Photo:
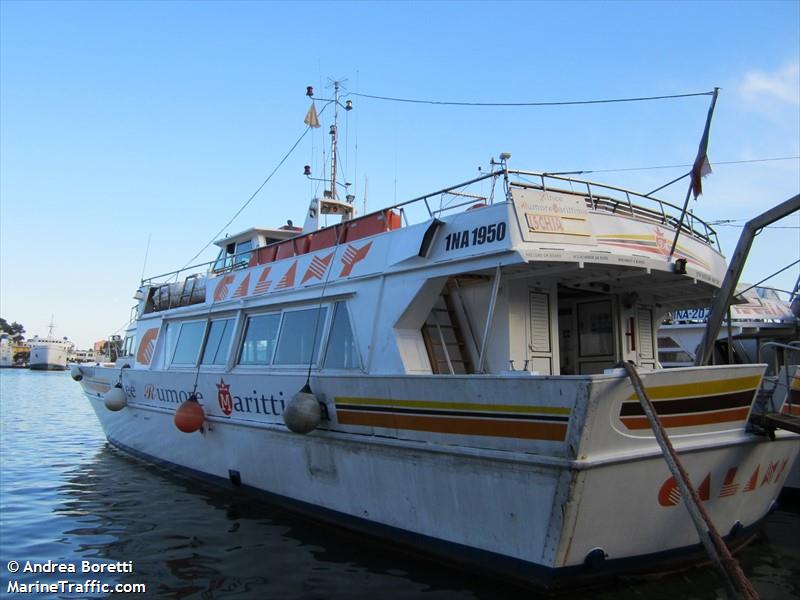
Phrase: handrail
(148, 280)
(234, 266)
(709, 234)
(794, 346)
(596, 202)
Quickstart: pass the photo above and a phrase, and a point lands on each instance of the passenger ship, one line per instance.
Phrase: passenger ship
(49, 353)
(445, 376)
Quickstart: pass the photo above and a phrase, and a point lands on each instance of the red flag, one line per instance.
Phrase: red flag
(701, 166)
(700, 169)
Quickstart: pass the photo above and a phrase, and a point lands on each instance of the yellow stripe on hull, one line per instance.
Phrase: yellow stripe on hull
(701, 388)
(508, 408)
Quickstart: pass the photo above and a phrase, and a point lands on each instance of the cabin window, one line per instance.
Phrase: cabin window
(300, 337)
(667, 342)
(260, 334)
(675, 356)
(219, 264)
(233, 255)
(670, 351)
(341, 352)
(595, 330)
(165, 345)
(243, 251)
(189, 341)
(129, 345)
(219, 338)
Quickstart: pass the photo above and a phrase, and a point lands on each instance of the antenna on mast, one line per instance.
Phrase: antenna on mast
(334, 137)
(334, 133)
(329, 203)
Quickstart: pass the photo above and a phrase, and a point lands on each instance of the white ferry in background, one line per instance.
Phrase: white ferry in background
(50, 353)
(762, 324)
(6, 351)
(441, 373)
(83, 356)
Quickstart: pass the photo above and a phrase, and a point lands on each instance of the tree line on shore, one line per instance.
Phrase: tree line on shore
(15, 333)
(14, 330)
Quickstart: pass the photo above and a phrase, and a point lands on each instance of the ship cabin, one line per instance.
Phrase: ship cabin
(547, 281)
(236, 250)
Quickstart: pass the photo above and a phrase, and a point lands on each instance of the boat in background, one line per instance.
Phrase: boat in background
(761, 324)
(6, 351)
(447, 377)
(49, 353)
(83, 356)
(763, 328)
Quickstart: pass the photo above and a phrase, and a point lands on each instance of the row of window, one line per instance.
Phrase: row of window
(288, 337)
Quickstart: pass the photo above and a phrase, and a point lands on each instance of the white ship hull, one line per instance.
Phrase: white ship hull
(6, 358)
(6, 351)
(530, 500)
(48, 357)
(464, 368)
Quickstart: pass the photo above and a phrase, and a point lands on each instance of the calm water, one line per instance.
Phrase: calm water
(66, 496)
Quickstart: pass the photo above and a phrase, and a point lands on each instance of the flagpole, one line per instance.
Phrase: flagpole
(680, 222)
(702, 157)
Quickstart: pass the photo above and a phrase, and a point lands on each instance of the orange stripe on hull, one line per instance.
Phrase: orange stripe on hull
(794, 409)
(719, 416)
(497, 428)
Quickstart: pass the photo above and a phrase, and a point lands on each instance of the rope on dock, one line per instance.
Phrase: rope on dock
(735, 579)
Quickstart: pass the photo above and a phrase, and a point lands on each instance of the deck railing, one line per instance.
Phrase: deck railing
(599, 197)
(620, 201)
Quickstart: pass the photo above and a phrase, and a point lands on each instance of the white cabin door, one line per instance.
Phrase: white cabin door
(540, 347)
(596, 336)
(644, 330)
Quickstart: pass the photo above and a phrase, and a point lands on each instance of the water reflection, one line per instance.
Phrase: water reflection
(65, 495)
(190, 540)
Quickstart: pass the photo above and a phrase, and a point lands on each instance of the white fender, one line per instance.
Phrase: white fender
(303, 413)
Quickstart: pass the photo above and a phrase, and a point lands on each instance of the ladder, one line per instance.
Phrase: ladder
(189, 285)
(444, 340)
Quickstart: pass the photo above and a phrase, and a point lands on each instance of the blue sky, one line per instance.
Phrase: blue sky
(123, 121)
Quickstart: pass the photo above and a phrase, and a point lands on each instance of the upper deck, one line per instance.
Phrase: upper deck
(546, 221)
(513, 277)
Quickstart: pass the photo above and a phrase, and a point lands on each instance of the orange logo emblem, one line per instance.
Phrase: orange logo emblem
(221, 291)
(317, 268)
(352, 256)
(146, 346)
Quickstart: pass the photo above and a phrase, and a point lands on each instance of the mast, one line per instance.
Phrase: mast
(330, 203)
(334, 137)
